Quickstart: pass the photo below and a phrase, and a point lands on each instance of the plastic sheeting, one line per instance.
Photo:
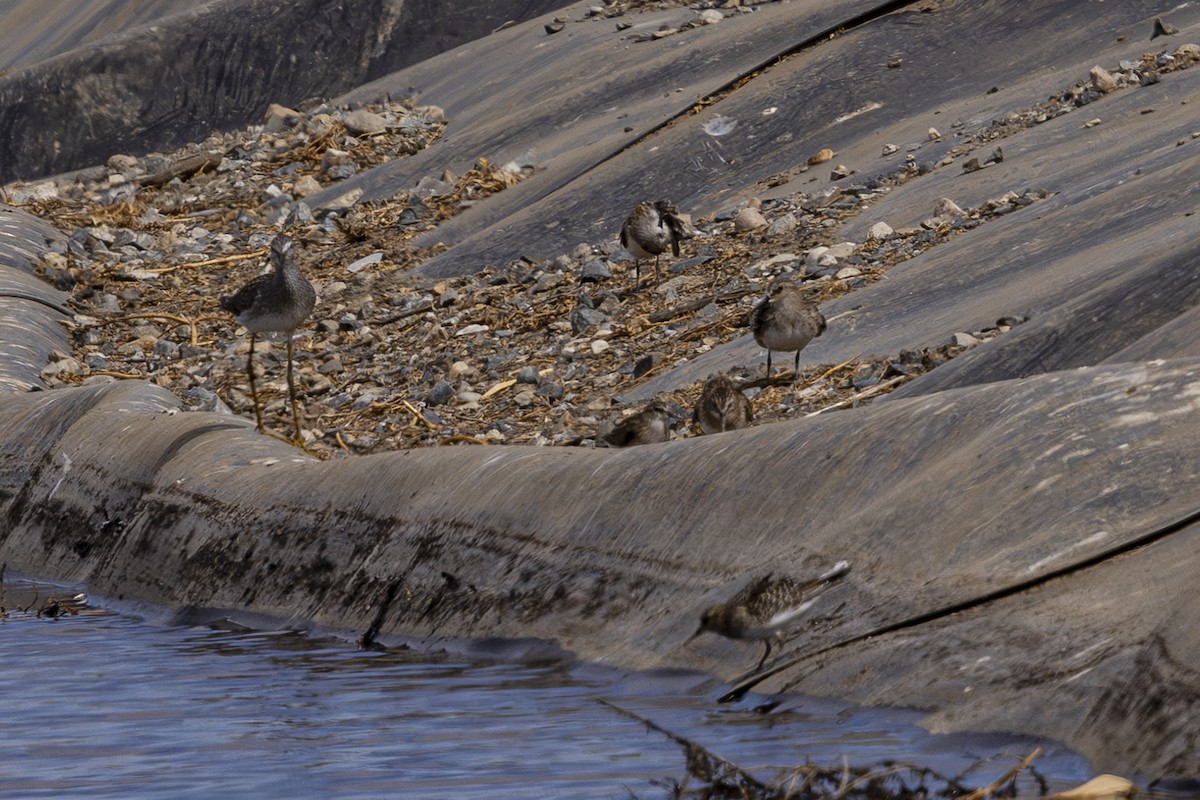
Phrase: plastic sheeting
(1021, 524)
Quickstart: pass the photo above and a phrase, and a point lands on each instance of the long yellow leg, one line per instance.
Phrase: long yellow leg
(292, 393)
(253, 390)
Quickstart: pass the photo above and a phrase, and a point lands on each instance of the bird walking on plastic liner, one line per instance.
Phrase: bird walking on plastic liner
(763, 609)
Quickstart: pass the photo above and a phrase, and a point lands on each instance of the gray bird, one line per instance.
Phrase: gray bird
(722, 407)
(763, 609)
(649, 231)
(277, 301)
(650, 425)
(786, 319)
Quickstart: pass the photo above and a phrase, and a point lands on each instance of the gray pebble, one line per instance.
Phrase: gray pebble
(583, 318)
(785, 224)
(551, 391)
(441, 392)
(595, 270)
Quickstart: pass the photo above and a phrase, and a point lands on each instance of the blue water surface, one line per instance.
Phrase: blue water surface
(110, 705)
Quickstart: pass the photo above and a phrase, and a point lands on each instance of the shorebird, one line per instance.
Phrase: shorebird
(277, 301)
(649, 231)
(764, 608)
(650, 425)
(785, 319)
(722, 407)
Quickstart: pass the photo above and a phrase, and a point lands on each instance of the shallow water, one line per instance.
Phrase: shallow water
(108, 705)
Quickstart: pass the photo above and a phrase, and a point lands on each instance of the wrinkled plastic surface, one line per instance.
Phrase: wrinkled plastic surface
(1021, 522)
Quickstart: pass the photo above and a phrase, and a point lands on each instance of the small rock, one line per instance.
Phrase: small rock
(847, 272)
(460, 370)
(583, 318)
(749, 219)
(972, 165)
(880, 230)
(62, 367)
(165, 348)
(1188, 52)
(441, 393)
(644, 365)
(947, 208)
(551, 391)
(206, 400)
(528, 375)
(813, 257)
(430, 186)
(842, 249)
(342, 202)
(277, 118)
(599, 346)
(96, 361)
(332, 157)
(888, 149)
(306, 185)
(361, 121)
(595, 270)
(1102, 79)
(547, 281)
(820, 157)
(965, 340)
(365, 261)
(839, 172)
(470, 330)
(785, 224)
(1101, 787)
(431, 113)
(933, 134)
(121, 163)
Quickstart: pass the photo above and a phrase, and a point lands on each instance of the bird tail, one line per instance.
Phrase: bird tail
(838, 570)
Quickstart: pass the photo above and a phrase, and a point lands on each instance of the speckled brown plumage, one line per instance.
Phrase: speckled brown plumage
(277, 301)
(650, 425)
(721, 407)
(786, 319)
(649, 231)
(765, 607)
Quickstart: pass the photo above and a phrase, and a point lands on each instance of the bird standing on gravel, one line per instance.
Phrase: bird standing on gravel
(649, 231)
(763, 609)
(722, 407)
(785, 319)
(277, 301)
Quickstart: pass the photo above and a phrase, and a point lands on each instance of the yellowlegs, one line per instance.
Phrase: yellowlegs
(277, 301)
